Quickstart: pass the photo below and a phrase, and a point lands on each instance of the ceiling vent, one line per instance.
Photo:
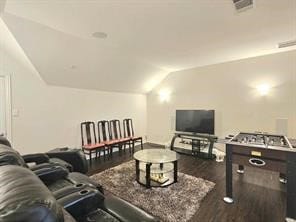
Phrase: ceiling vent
(242, 4)
(287, 44)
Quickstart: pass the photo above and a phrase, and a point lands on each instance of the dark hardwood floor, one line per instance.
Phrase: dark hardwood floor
(258, 194)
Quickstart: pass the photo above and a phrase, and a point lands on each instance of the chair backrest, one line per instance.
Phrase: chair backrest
(115, 129)
(128, 129)
(103, 131)
(88, 133)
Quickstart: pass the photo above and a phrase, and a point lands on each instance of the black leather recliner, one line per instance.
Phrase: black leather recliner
(75, 192)
(45, 171)
(25, 198)
(72, 159)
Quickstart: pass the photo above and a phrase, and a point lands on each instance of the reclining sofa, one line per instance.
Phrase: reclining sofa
(53, 193)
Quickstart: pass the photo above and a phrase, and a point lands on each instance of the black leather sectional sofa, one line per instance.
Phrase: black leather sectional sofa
(48, 191)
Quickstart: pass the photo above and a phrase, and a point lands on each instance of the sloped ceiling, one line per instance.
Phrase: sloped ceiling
(2, 5)
(147, 39)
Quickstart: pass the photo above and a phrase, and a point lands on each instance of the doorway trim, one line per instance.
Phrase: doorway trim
(8, 105)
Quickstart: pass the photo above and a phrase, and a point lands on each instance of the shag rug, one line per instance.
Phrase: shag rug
(177, 202)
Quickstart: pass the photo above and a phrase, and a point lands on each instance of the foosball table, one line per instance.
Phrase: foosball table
(264, 151)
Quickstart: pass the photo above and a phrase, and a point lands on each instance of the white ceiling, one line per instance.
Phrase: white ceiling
(146, 40)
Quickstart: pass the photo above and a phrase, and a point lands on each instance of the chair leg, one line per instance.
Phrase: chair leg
(97, 153)
(105, 153)
(129, 147)
(141, 143)
(109, 151)
(89, 157)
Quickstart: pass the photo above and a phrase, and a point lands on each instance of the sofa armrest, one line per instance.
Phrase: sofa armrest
(73, 156)
(77, 178)
(125, 211)
(51, 173)
(81, 203)
(40, 166)
(36, 158)
(67, 190)
(58, 161)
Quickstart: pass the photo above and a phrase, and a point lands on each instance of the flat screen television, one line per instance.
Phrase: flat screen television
(195, 121)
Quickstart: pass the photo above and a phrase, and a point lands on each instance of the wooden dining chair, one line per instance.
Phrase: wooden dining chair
(104, 137)
(128, 131)
(89, 141)
(115, 134)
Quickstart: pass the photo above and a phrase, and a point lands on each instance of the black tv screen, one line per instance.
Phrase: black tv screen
(195, 121)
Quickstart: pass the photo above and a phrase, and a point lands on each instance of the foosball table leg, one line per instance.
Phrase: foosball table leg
(229, 198)
(241, 169)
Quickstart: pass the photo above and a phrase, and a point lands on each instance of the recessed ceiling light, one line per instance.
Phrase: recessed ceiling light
(73, 67)
(100, 35)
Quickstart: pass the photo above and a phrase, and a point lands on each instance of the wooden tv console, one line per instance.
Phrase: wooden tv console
(197, 143)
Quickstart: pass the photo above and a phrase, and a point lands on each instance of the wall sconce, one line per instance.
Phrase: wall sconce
(164, 95)
(263, 89)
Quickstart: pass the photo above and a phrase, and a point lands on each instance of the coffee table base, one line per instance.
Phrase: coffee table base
(146, 180)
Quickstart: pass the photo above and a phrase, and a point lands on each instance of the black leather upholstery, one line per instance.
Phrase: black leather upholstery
(124, 211)
(62, 163)
(4, 141)
(82, 202)
(25, 198)
(9, 156)
(36, 158)
(73, 179)
(99, 215)
(72, 159)
(51, 174)
(68, 217)
(75, 157)
(48, 172)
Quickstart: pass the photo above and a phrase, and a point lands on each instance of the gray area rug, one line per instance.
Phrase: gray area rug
(177, 202)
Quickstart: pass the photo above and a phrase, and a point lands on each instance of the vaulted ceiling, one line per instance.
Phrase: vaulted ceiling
(146, 39)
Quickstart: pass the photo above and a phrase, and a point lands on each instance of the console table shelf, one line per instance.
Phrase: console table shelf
(201, 144)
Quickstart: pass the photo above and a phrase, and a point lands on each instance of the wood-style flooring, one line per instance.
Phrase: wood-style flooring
(258, 194)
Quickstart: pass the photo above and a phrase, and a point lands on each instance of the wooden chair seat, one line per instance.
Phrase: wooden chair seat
(94, 146)
(136, 138)
(111, 142)
(125, 139)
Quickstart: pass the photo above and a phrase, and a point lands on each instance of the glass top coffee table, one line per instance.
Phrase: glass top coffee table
(156, 167)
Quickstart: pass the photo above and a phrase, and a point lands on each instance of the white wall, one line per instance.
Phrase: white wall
(49, 116)
(230, 89)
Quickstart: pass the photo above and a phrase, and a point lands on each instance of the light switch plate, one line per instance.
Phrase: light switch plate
(15, 112)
